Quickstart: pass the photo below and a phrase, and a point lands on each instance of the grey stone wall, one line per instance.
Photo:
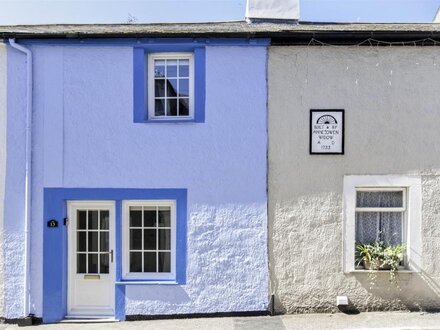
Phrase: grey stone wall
(391, 97)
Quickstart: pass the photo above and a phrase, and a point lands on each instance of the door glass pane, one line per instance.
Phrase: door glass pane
(81, 260)
(104, 264)
(93, 220)
(93, 263)
(104, 243)
(164, 239)
(81, 241)
(164, 217)
(135, 216)
(149, 217)
(93, 241)
(164, 262)
(136, 262)
(135, 239)
(104, 219)
(150, 239)
(82, 219)
(149, 261)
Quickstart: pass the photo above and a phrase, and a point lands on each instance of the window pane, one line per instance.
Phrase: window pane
(172, 107)
(184, 87)
(183, 68)
(93, 241)
(136, 262)
(150, 262)
(159, 107)
(391, 228)
(104, 245)
(164, 262)
(82, 219)
(93, 263)
(367, 227)
(104, 220)
(159, 87)
(135, 239)
(81, 263)
(150, 239)
(164, 239)
(379, 226)
(93, 220)
(135, 216)
(171, 68)
(159, 68)
(103, 263)
(164, 217)
(379, 199)
(183, 107)
(171, 87)
(82, 241)
(149, 216)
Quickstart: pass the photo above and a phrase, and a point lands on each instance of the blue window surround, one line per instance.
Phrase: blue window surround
(55, 243)
(140, 90)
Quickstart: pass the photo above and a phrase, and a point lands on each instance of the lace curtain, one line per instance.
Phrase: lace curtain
(379, 226)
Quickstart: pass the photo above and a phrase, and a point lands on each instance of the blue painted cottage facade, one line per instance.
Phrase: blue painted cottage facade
(143, 188)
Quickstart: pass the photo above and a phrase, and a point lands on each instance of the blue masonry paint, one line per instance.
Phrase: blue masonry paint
(55, 243)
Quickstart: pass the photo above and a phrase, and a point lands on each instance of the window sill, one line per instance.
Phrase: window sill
(147, 282)
(366, 271)
(167, 121)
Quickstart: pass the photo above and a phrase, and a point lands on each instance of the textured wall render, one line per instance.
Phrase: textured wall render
(391, 100)
(3, 118)
(85, 137)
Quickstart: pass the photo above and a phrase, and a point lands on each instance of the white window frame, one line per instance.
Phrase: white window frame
(411, 185)
(151, 57)
(126, 274)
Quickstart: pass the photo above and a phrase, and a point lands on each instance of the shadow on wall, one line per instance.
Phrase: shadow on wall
(414, 292)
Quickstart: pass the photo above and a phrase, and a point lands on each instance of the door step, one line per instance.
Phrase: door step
(88, 319)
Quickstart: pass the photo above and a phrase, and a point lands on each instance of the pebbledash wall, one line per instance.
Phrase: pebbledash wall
(84, 136)
(391, 100)
(3, 116)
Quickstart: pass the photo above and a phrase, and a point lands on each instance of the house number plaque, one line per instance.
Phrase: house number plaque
(52, 223)
(327, 132)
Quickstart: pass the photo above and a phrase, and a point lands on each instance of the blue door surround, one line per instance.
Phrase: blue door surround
(55, 242)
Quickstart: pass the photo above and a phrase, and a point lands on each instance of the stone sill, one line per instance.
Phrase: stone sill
(366, 271)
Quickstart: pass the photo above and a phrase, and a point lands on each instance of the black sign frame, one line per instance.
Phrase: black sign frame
(312, 111)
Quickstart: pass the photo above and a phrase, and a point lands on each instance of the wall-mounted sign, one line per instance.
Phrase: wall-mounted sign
(327, 131)
(52, 223)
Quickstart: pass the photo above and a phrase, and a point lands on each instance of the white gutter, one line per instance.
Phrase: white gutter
(28, 173)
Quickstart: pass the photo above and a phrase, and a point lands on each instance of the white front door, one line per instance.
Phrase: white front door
(91, 270)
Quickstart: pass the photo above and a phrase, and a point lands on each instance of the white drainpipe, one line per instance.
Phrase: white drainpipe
(28, 173)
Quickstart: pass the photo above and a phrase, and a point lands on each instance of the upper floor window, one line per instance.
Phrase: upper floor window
(170, 86)
(169, 83)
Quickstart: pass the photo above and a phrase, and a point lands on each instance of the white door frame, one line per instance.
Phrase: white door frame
(88, 311)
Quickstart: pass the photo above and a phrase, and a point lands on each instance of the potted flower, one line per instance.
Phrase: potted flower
(379, 256)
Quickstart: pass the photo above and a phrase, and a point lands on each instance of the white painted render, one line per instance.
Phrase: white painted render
(272, 9)
(392, 104)
(3, 117)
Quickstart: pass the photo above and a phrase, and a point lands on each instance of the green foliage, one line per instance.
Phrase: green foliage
(379, 256)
